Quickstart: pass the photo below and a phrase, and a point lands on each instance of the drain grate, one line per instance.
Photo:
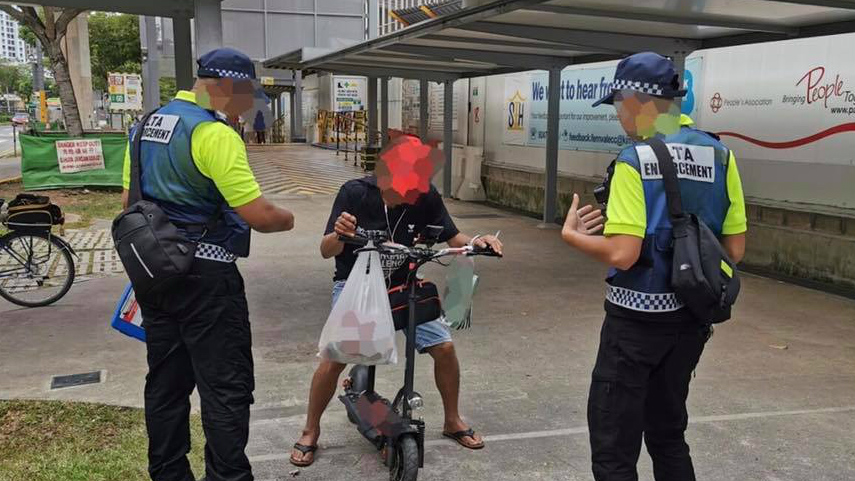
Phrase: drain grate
(478, 215)
(59, 382)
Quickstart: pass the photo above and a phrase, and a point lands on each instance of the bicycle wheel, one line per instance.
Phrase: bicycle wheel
(36, 269)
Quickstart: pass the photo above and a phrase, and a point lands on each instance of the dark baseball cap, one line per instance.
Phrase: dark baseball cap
(645, 72)
(225, 63)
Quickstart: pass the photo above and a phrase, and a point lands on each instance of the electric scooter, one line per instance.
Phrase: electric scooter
(391, 425)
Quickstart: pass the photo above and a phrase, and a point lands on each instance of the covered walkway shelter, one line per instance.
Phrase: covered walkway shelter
(503, 36)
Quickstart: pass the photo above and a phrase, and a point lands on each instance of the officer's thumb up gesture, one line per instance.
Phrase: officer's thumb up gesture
(586, 220)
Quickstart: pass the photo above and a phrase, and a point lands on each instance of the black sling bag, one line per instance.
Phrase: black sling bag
(702, 275)
(151, 247)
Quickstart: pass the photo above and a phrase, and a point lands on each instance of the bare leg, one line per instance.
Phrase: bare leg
(447, 375)
(323, 388)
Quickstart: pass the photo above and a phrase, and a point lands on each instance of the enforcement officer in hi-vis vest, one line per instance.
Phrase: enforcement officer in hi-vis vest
(650, 343)
(194, 167)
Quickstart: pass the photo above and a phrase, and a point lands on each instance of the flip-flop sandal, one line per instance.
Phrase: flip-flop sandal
(305, 450)
(459, 435)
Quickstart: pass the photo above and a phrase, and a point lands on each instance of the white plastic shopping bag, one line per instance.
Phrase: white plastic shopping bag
(359, 329)
(460, 284)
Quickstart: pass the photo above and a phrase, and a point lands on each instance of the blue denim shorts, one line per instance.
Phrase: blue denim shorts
(428, 334)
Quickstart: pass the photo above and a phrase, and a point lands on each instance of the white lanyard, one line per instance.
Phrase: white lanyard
(392, 232)
(389, 224)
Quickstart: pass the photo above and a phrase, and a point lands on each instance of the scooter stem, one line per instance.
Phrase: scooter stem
(411, 349)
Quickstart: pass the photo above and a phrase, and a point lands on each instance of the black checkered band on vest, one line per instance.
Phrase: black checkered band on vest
(213, 252)
(644, 87)
(643, 301)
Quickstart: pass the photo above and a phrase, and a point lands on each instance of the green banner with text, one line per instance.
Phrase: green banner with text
(55, 160)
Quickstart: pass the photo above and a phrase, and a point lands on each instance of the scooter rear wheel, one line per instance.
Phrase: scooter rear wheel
(405, 460)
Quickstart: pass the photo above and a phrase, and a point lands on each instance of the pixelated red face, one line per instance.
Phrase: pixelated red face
(405, 169)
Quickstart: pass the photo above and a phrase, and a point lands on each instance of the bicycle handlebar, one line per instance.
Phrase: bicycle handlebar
(420, 253)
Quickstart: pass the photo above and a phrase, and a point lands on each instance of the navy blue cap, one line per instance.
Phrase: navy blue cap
(225, 63)
(645, 72)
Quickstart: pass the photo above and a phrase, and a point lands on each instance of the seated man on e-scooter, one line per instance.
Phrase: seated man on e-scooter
(362, 208)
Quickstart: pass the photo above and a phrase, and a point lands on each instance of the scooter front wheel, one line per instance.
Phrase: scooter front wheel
(405, 460)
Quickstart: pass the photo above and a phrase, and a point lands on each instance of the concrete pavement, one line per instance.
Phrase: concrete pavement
(773, 399)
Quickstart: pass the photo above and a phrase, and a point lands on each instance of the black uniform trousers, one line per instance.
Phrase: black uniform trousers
(639, 388)
(198, 335)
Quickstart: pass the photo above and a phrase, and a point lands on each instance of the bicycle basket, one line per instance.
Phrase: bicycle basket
(33, 212)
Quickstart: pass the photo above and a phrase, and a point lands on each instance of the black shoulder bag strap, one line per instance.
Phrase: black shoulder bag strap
(671, 184)
(135, 189)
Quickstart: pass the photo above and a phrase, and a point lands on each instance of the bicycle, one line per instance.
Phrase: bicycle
(391, 424)
(36, 267)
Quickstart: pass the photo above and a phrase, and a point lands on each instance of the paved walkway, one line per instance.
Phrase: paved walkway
(300, 170)
(773, 399)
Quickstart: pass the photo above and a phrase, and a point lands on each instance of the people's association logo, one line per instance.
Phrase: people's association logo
(516, 111)
(716, 102)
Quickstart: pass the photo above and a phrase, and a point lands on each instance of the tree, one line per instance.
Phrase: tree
(49, 28)
(114, 46)
(15, 79)
(168, 89)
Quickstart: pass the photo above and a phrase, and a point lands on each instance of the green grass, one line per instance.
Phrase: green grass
(67, 441)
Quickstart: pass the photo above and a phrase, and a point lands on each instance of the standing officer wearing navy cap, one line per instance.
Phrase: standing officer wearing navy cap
(194, 166)
(650, 343)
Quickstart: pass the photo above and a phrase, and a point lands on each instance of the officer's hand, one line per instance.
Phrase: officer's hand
(586, 220)
(345, 225)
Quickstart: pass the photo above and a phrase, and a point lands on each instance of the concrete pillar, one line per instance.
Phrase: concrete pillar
(151, 65)
(297, 132)
(39, 69)
(183, 53)
(423, 109)
(384, 109)
(209, 26)
(447, 139)
(76, 50)
(372, 110)
(550, 195)
(373, 18)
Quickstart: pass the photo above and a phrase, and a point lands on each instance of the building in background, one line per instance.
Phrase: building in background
(397, 14)
(12, 47)
(264, 28)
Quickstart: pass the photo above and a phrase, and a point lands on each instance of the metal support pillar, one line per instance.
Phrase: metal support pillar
(679, 59)
(209, 26)
(297, 132)
(183, 53)
(447, 139)
(372, 112)
(423, 109)
(151, 69)
(384, 110)
(550, 195)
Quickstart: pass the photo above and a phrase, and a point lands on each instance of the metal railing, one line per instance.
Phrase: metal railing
(347, 130)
